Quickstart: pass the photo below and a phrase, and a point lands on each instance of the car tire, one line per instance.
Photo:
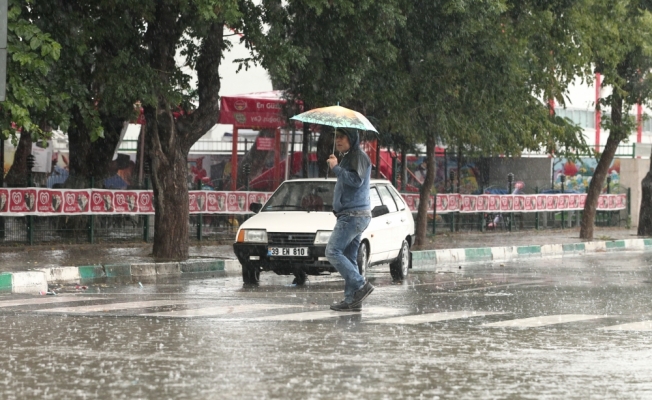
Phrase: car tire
(250, 274)
(300, 278)
(363, 259)
(399, 267)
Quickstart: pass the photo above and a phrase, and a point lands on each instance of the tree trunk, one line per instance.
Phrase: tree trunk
(168, 138)
(600, 174)
(170, 184)
(645, 214)
(424, 192)
(17, 175)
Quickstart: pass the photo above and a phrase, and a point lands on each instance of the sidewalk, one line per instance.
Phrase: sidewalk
(29, 269)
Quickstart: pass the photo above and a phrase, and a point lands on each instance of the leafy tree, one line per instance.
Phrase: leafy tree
(325, 53)
(31, 103)
(619, 44)
(474, 74)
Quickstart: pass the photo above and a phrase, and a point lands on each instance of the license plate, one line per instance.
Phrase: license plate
(287, 251)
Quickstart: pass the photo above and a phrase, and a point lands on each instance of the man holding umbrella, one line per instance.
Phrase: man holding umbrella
(352, 208)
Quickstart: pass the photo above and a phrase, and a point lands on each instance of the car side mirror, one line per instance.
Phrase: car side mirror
(379, 210)
(255, 207)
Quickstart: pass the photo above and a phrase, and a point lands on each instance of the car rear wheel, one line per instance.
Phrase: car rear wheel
(399, 267)
(250, 274)
(363, 259)
(299, 278)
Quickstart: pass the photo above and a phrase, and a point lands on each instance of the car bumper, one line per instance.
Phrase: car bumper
(256, 255)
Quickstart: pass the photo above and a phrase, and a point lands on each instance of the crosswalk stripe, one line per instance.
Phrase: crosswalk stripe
(641, 326)
(43, 300)
(432, 317)
(326, 314)
(216, 311)
(113, 306)
(543, 321)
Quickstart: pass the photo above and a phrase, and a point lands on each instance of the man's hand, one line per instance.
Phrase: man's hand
(332, 161)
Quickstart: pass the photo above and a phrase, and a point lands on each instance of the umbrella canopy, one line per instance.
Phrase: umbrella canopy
(337, 117)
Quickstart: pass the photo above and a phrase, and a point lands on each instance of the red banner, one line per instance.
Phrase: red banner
(36, 201)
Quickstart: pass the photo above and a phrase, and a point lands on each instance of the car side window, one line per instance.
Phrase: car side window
(387, 198)
(374, 198)
(397, 198)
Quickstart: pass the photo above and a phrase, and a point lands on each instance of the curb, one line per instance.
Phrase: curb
(37, 281)
(507, 253)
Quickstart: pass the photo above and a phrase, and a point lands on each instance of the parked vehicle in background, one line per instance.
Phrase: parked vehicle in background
(289, 233)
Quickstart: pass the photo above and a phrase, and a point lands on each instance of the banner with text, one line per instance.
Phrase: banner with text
(44, 201)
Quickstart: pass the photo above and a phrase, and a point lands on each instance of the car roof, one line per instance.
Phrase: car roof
(373, 180)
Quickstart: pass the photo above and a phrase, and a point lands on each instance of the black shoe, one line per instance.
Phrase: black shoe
(344, 306)
(362, 294)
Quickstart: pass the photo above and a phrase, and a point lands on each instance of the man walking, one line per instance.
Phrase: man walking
(352, 208)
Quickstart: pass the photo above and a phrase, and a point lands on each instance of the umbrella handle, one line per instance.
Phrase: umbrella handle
(329, 167)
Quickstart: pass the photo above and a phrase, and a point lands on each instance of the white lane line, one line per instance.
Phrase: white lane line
(432, 317)
(43, 300)
(543, 321)
(326, 314)
(221, 310)
(642, 326)
(114, 306)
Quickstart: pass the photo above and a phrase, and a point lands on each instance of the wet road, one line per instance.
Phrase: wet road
(555, 328)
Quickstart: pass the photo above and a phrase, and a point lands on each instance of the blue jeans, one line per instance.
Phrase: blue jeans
(342, 251)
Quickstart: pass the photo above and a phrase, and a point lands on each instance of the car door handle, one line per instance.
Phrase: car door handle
(388, 222)
(402, 219)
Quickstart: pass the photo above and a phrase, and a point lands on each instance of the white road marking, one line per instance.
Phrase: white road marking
(642, 326)
(43, 300)
(543, 321)
(221, 310)
(113, 306)
(326, 314)
(432, 317)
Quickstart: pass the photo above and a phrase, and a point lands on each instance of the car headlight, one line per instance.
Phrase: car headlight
(322, 237)
(252, 236)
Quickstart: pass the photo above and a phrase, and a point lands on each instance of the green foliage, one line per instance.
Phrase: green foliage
(31, 56)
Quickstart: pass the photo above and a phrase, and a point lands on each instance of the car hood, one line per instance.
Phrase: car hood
(291, 221)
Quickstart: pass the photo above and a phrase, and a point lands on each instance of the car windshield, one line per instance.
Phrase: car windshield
(302, 196)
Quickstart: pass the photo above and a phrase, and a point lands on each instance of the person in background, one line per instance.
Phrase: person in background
(352, 208)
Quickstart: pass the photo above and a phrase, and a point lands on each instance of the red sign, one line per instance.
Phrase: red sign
(197, 201)
(76, 201)
(253, 110)
(237, 202)
(102, 201)
(146, 202)
(49, 201)
(22, 200)
(264, 144)
(125, 202)
(483, 203)
(216, 201)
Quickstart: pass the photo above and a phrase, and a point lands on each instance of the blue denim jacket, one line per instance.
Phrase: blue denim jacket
(353, 174)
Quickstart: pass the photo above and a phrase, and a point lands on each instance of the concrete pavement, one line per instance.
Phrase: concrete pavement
(31, 269)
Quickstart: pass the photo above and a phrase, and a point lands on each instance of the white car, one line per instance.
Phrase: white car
(289, 233)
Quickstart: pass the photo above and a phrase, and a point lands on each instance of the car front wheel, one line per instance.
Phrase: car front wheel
(363, 259)
(399, 267)
(250, 274)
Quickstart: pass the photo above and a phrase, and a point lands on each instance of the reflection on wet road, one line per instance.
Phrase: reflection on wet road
(562, 328)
